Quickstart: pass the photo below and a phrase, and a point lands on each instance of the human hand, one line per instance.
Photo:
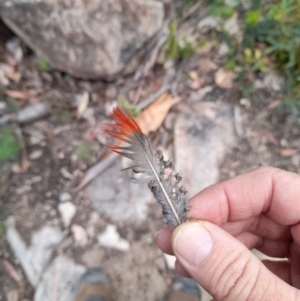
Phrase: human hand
(259, 210)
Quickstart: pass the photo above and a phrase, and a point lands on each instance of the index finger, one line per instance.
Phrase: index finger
(266, 190)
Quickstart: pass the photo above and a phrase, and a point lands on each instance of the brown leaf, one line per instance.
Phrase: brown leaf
(288, 152)
(224, 78)
(152, 118)
(274, 104)
(17, 94)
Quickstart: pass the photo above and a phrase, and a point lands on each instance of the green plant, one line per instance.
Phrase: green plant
(123, 103)
(9, 145)
(60, 116)
(178, 47)
(219, 8)
(43, 65)
(84, 151)
(279, 29)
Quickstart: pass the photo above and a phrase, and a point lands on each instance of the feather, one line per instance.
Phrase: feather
(150, 163)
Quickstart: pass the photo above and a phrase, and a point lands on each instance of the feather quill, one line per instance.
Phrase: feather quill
(150, 163)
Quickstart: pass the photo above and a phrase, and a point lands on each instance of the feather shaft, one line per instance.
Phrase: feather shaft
(163, 190)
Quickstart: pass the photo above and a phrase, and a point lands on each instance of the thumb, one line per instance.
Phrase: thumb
(224, 267)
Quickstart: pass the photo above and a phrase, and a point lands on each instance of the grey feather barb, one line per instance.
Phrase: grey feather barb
(149, 162)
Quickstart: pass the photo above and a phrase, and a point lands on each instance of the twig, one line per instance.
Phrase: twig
(27, 114)
(25, 162)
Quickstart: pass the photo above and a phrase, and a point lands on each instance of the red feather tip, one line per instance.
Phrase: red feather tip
(125, 126)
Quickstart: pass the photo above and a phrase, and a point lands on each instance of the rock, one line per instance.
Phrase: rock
(60, 281)
(110, 238)
(80, 235)
(14, 47)
(12, 295)
(33, 112)
(202, 135)
(36, 154)
(274, 81)
(223, 50)
(232, 26)
(224, 78)
(200, 94)
(67, 211)
(207, 24)
(65, 197)
(86, 39)
(35, 257)
(114, 194)
(296, 160)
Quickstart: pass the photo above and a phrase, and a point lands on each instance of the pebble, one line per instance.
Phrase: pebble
(67, 211)
(16, 168)
(223, 50)
(12, 296)
(207, 24)
(23, 189)
(36, 154)
(80, 235)
(110, 238)
(65, 197)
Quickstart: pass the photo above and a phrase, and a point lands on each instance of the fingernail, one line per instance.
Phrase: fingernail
(193, 244)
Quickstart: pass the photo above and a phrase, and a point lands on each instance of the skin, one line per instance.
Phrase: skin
(260, 210)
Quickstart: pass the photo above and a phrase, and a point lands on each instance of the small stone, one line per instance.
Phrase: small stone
(200, 94)
(232, 25)
(110, 238)
(67, 211)
(80, 235)
(170, 261)
(274, 81)
(2, 106)
(296, 160)
(91, 231)
(12, 296)
(23, 189)
(207, 24)
(65, 173)
(65, 197)
(223, 50)
(94, 219)
(246, 103)
(14, 47)
(61, 155)
(16, 168)
(48, 194)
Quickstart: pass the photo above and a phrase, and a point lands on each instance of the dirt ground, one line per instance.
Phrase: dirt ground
(61, 147)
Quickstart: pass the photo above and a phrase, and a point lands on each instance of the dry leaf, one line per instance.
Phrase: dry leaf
(152, 118)
(193, 75)
(207, 65)
(12, 272)
(224, 78)
(288, 152)
(274, 104)
(17, 94)
(83, 104)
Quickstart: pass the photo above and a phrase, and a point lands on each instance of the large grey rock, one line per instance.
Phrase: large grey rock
(35, 257)
(114, 194)
(203, 134)
(59, 282)
(88, 39)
